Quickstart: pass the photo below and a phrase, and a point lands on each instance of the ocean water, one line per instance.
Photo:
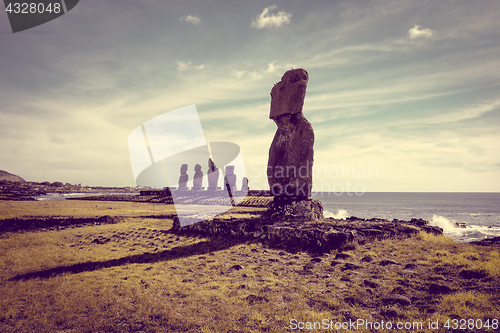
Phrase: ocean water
(480, 211)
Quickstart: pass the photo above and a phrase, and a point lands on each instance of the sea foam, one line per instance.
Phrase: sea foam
(467, 234)
(341, 214)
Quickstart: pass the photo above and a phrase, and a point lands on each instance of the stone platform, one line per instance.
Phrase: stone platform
(314, 237)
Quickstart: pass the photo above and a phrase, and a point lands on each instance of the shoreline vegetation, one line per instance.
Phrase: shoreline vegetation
(123, 269)
(25, 190)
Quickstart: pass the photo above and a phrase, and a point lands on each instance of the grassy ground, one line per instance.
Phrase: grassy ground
(137, 276)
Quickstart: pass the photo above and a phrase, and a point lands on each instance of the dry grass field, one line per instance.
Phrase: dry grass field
(138, 276)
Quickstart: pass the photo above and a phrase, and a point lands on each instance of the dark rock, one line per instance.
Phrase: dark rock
(387, 262)
(398, 290)
(435, 288)
(488, 241)
(367, 259)
(410, 266)
(342, 256)
(351, 266)
(187, 280)
(309, 266)
(305, 272)
(391, 313)
(370, 283)
(396, 299)
(353, 300)
(236, 267)
(336, 262)
(254, 299)
(419, 222)
(432, 230)
(316, 260)
(473, 274)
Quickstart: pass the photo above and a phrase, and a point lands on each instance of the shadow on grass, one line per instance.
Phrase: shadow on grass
(200, 248)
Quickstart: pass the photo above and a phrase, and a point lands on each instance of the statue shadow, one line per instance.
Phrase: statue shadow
(203, 247)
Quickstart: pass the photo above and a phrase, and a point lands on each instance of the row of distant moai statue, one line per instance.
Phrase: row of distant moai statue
(213, 178)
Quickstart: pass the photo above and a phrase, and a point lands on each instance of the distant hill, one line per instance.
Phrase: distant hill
(4, 175)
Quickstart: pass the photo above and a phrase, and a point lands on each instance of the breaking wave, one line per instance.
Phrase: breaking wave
(341, 214)
(464, 233)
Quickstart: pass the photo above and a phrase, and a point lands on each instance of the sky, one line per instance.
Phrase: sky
(402, 95)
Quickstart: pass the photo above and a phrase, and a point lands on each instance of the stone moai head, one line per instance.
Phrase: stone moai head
(230, 170)
(197, 167)
(211, 165)
(184, 169)
(287, 96)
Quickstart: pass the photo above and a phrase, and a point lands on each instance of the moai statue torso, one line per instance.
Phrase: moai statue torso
(198, 178)
(184, 177)
(213, 175)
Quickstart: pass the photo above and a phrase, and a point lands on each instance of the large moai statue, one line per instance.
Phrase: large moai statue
(289, 168)
(198, 178)
(230, 178)
(183, 178)
(213, 176)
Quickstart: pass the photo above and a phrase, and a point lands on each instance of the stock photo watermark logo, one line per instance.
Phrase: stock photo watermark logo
(170, 152)
(25, 15)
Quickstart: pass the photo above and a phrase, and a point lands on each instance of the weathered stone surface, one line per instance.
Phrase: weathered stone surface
(287, 96)
(435, 288)
(295, 210)
(313, 237)
(473, 274)
(291, 152)
(254, 299)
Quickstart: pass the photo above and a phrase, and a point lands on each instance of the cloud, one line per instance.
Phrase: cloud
(272, 68)
(267, 20)
(416, 32)
(184, 66)
(191, 19)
